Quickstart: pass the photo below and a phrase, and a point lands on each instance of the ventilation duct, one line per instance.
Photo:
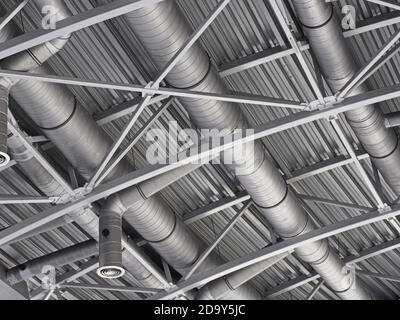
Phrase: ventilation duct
(56, 259)
(53, 108)
(338, 67)
(163, 30)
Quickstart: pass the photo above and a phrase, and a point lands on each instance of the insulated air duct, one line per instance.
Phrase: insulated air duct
(53, 108)
(338, 66)
(163, 30)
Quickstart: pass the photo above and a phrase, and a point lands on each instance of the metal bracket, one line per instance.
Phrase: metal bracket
(54, 200)
(329, 102)
(150, 85)
(385, 209)
(78, 194)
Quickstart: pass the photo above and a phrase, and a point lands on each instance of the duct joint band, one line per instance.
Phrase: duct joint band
(34, 58)
(199, 82)
(324, 258)
(228, 283)
(141, 192)
(322, 24)
(345, 290)
(170, 234)
(390, 153)
(275, 205)
(142, 279)
(300, 232)
(66, 121)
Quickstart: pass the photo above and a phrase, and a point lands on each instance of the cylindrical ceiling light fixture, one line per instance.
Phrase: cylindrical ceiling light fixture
(110, 248)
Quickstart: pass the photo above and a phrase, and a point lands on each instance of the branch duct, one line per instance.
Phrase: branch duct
(163, 30)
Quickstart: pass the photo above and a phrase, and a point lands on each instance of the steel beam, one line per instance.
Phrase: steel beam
(143, 174)
(378, 275)
(212, 246)
(257, 59)
(12, 199)
(275, 53)
(388, 3)
(68, 277)
(278, 10)
(12, 13)
(292, 284)
(376, 22)
(123, 110)
(372, 69)
(200, 279)
(315, 290)
(109, 288)
(361, 256)
(145, 90)
(324, 166)
(373, 251)
(361, 74)
(349, 149)
(155, 84)
(167, 271)
(334, 203)
(8, 292)
(8, 165)
(350, 103)
(215, 207)
(71, 24)
(12, 126)
(117, 143)
(37, 221)
(135, 139)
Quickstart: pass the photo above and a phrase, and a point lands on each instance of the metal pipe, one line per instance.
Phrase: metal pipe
(163, 30)
(56, 259)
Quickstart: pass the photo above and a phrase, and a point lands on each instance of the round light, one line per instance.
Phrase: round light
(4, 159)
(110, 272)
